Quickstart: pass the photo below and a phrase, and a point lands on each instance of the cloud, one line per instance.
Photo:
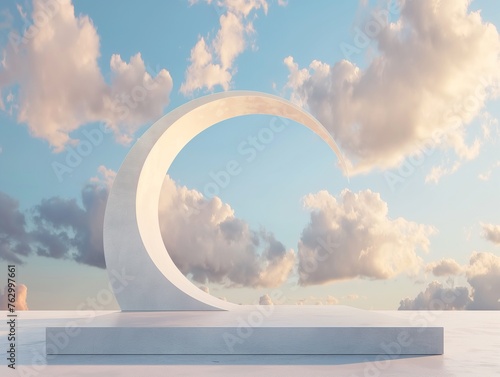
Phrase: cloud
(483, 275)
(437, 297)
(204, 238)
(432, 72)
(438, 172)
(21, 298)
(491, 233)
(65, 230)
(353, 297)
(61, 87)
(444, 267)
(14, 239)
(59, 228)
(265, 300)
(105, 177)
(207, 242)
(212, 61)
(204, 288)
(312, 300)
(485, 176)
(352, 236)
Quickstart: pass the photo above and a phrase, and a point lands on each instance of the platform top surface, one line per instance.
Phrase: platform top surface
(472, 341)
(267, 316)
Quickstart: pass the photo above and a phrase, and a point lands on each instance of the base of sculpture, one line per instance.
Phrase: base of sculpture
(251, 330)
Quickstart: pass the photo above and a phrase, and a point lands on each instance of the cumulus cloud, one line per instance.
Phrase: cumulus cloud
(483, 275)
(21, 302)
(352, 236)
(438, 297)
(66, 230)
(491, 233)
(265, 300)
(60, 228)
(61, 87)
(444, 267)
(210, 244)
(212, 60)
(14, 239)
(203, 236)
(432, 72)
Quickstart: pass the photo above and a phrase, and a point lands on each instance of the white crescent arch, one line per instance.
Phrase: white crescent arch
(141, 272)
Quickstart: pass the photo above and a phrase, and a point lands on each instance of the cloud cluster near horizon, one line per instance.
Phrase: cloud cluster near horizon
(347, 237)
(483, 275)
(413, 92)
(61, 87)
(20, 303)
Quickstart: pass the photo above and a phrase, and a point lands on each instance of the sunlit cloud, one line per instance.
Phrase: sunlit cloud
(61, 86)
(412, 91)
(352, 236)
(212, 59)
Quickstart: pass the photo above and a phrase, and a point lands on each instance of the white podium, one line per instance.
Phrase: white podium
(273, 330)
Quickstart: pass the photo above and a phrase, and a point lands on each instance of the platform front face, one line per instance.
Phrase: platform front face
(393, 341)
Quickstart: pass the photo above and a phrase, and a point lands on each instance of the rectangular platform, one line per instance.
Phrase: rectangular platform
(260, 330)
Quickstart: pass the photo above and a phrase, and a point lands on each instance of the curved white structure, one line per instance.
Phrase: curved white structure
(133, 246)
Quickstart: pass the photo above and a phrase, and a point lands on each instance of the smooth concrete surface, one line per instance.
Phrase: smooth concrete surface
(258, 330)
(472, 344)
(249, 341)
(133, 245)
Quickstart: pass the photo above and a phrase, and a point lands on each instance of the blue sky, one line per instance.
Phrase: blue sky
(383, 97)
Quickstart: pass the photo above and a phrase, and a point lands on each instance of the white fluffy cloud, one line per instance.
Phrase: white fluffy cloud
(432, 72)
(491, 233)
(352, 236)
(438, 297)
(444, 267)
(483, 275)
(212, 61)
(207, 241)
(21, 302)
(61, 87)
